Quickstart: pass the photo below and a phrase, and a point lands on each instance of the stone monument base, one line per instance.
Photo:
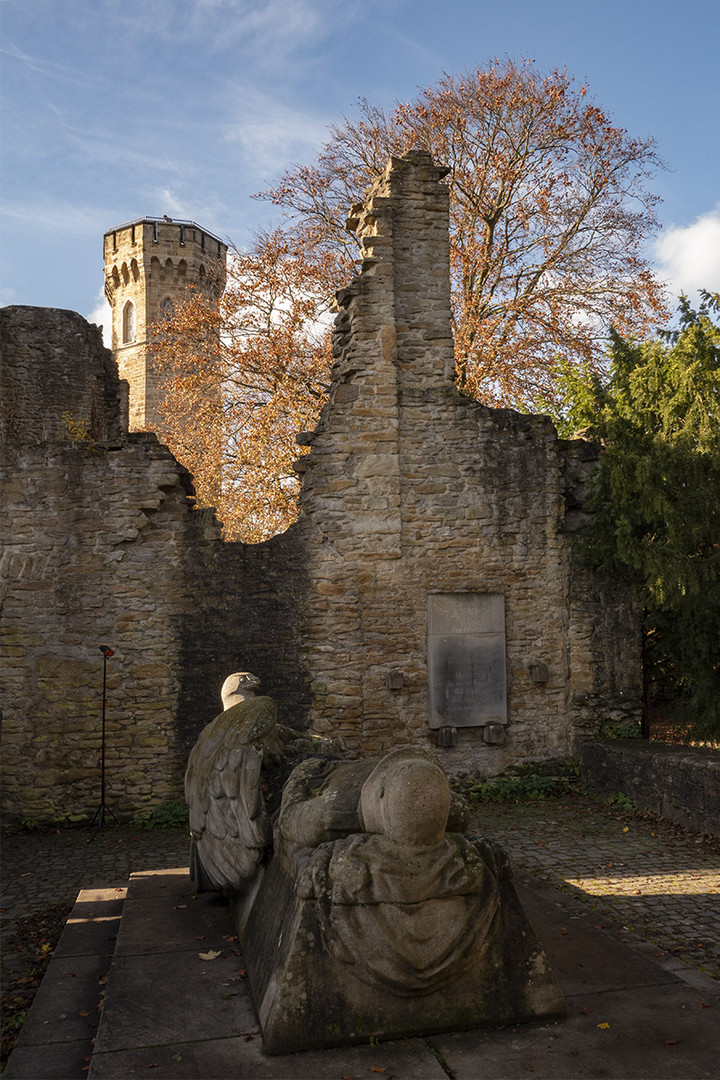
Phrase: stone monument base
(309, 995)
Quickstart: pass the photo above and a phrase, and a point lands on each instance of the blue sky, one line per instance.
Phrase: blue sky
(116, 109)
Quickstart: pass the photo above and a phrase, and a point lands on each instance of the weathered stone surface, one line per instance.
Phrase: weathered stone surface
(400, 929)
(413, 491)
(102, 544)
(681, 783)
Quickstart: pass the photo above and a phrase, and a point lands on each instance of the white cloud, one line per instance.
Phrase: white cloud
(272, 134)
(689, 256)
(101, 314)
(56, 216)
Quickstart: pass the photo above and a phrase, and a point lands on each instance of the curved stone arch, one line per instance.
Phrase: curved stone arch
(129, 325)
(125, 273)
(167, 308)
(168, 269)
(182, 268)
(134, 269)
(115, 277)
(155, 268)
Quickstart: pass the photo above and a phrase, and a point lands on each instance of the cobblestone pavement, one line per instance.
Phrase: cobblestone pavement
(642, 876)
(42, 867)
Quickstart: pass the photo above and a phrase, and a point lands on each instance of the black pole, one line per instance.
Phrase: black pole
(99, 815)
(101, 819)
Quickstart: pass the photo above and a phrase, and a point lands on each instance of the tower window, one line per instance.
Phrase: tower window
(132, 235)
(155, 236)
(167, 309)
(128, 323)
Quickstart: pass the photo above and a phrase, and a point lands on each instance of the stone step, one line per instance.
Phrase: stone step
(56, 1040)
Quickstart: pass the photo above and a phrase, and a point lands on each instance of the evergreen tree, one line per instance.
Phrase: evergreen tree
(656, 498)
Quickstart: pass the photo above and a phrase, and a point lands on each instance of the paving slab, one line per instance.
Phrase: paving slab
(56, 1040)
(238, 1059)
(661, 1032)
(177, 973)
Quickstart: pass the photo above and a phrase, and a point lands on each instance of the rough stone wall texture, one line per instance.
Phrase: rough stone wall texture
(411, 488)
(101, 545)
(681, 783)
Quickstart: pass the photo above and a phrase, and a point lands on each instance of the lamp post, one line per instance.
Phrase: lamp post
(99, 815)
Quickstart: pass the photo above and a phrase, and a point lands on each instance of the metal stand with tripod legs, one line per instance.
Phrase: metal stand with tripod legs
(98, 817)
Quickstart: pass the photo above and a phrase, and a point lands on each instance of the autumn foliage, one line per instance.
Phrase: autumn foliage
(548, 216)
(241, 380)
(549, 212)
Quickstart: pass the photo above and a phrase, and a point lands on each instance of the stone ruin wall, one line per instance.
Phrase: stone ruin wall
(409, 489)
(101, 545)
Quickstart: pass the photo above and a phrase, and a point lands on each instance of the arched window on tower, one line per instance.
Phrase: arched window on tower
(128, 323)
(167, 309)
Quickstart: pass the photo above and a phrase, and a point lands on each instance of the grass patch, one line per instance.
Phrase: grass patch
(171, 814)
(535, 782)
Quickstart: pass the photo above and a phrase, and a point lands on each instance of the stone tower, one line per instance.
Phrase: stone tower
(149, 264)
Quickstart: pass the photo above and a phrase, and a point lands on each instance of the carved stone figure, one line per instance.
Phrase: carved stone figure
(229, 825)
(415, 929)
(240, 752)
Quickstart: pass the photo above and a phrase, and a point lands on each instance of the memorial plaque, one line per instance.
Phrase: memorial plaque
(466, 659)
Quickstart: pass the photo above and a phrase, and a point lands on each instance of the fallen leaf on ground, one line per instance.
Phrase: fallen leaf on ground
(83, 1012)
(211, 955)
(604, 1025)
(374, 1068)
(672, 1042)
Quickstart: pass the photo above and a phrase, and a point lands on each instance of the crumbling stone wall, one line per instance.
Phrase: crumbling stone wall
(411, 489)
(102, 545)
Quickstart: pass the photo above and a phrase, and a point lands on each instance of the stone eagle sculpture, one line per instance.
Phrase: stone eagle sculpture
(229, 824)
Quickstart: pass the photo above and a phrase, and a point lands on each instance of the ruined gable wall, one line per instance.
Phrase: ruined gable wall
(412, 489)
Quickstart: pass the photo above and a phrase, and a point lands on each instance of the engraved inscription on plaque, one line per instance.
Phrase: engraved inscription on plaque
(466, 659)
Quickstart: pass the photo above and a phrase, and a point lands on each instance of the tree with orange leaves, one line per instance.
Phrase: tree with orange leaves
(549, 212)
(242, 379)
(548, 216)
